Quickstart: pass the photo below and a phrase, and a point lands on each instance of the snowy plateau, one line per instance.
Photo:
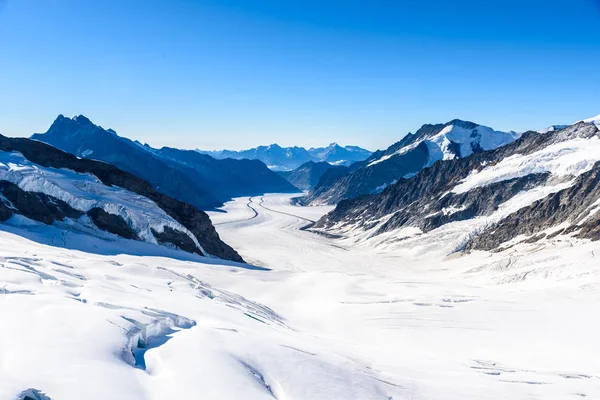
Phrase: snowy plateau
(311, 317)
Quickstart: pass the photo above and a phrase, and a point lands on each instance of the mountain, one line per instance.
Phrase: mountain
(543, 186)
(431, 143)
(288, 158)
(307, 175)
(42, 184)
(183, 174)
(594, 120)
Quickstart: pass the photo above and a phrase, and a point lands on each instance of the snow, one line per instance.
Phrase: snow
(398, 152)
(595, 120)
(565, 159)
(487, 138)
(552, 128)
(439, 145)
(330, 319)
(84, 192)
(453, 210)
(380, 188)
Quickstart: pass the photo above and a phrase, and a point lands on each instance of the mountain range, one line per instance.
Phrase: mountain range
(506, 185)
(539, 187)
(457, 234)
(280, 158)
(186, 175)
(404, 159)
(40, 184)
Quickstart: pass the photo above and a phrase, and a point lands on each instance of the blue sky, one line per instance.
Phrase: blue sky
(238, 73)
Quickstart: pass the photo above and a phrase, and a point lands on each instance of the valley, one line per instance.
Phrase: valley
(315, 318)
(296, 200)
(383, 296)
(469, 326)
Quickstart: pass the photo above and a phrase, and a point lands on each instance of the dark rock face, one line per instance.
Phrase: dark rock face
(429, 214)
(111, 223)
(307, 175)
(186, 175)
(5, 211)
(176, 238)
(571, 205)
(193, 219)
(369, 178)
(37, 206)
(427, 201)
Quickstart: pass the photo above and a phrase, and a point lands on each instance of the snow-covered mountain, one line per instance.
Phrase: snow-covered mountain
(431, 143)
(288, 158)
(379, 305)
(40, 184)
(184, 174)
(543, 186)
(594, 120)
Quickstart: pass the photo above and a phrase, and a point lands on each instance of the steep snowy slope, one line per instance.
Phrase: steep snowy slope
(44, 184)
(431, 143)
(185, 175)
(541, 181)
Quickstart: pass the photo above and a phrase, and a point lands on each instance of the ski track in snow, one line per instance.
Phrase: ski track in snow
(329, 319)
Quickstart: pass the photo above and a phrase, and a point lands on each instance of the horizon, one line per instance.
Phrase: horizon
(236, 75)
(344, 145)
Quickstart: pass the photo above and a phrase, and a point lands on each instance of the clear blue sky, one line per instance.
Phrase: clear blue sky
(239, 73)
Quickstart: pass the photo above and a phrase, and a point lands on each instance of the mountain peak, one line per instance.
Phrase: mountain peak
(463, 124)
(82, 119)
(79, 119)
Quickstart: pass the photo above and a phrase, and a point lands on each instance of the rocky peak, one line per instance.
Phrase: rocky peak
(70, 126)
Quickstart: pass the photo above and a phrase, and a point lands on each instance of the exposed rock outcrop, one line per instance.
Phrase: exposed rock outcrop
(176, 238)
(574, 206)
(111, 223)
(37, 206)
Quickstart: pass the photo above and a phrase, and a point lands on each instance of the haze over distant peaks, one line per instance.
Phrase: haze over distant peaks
(288, 158)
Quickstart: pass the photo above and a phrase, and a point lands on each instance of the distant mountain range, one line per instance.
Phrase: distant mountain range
(404, 159)
(186, 175)
(280, 158)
